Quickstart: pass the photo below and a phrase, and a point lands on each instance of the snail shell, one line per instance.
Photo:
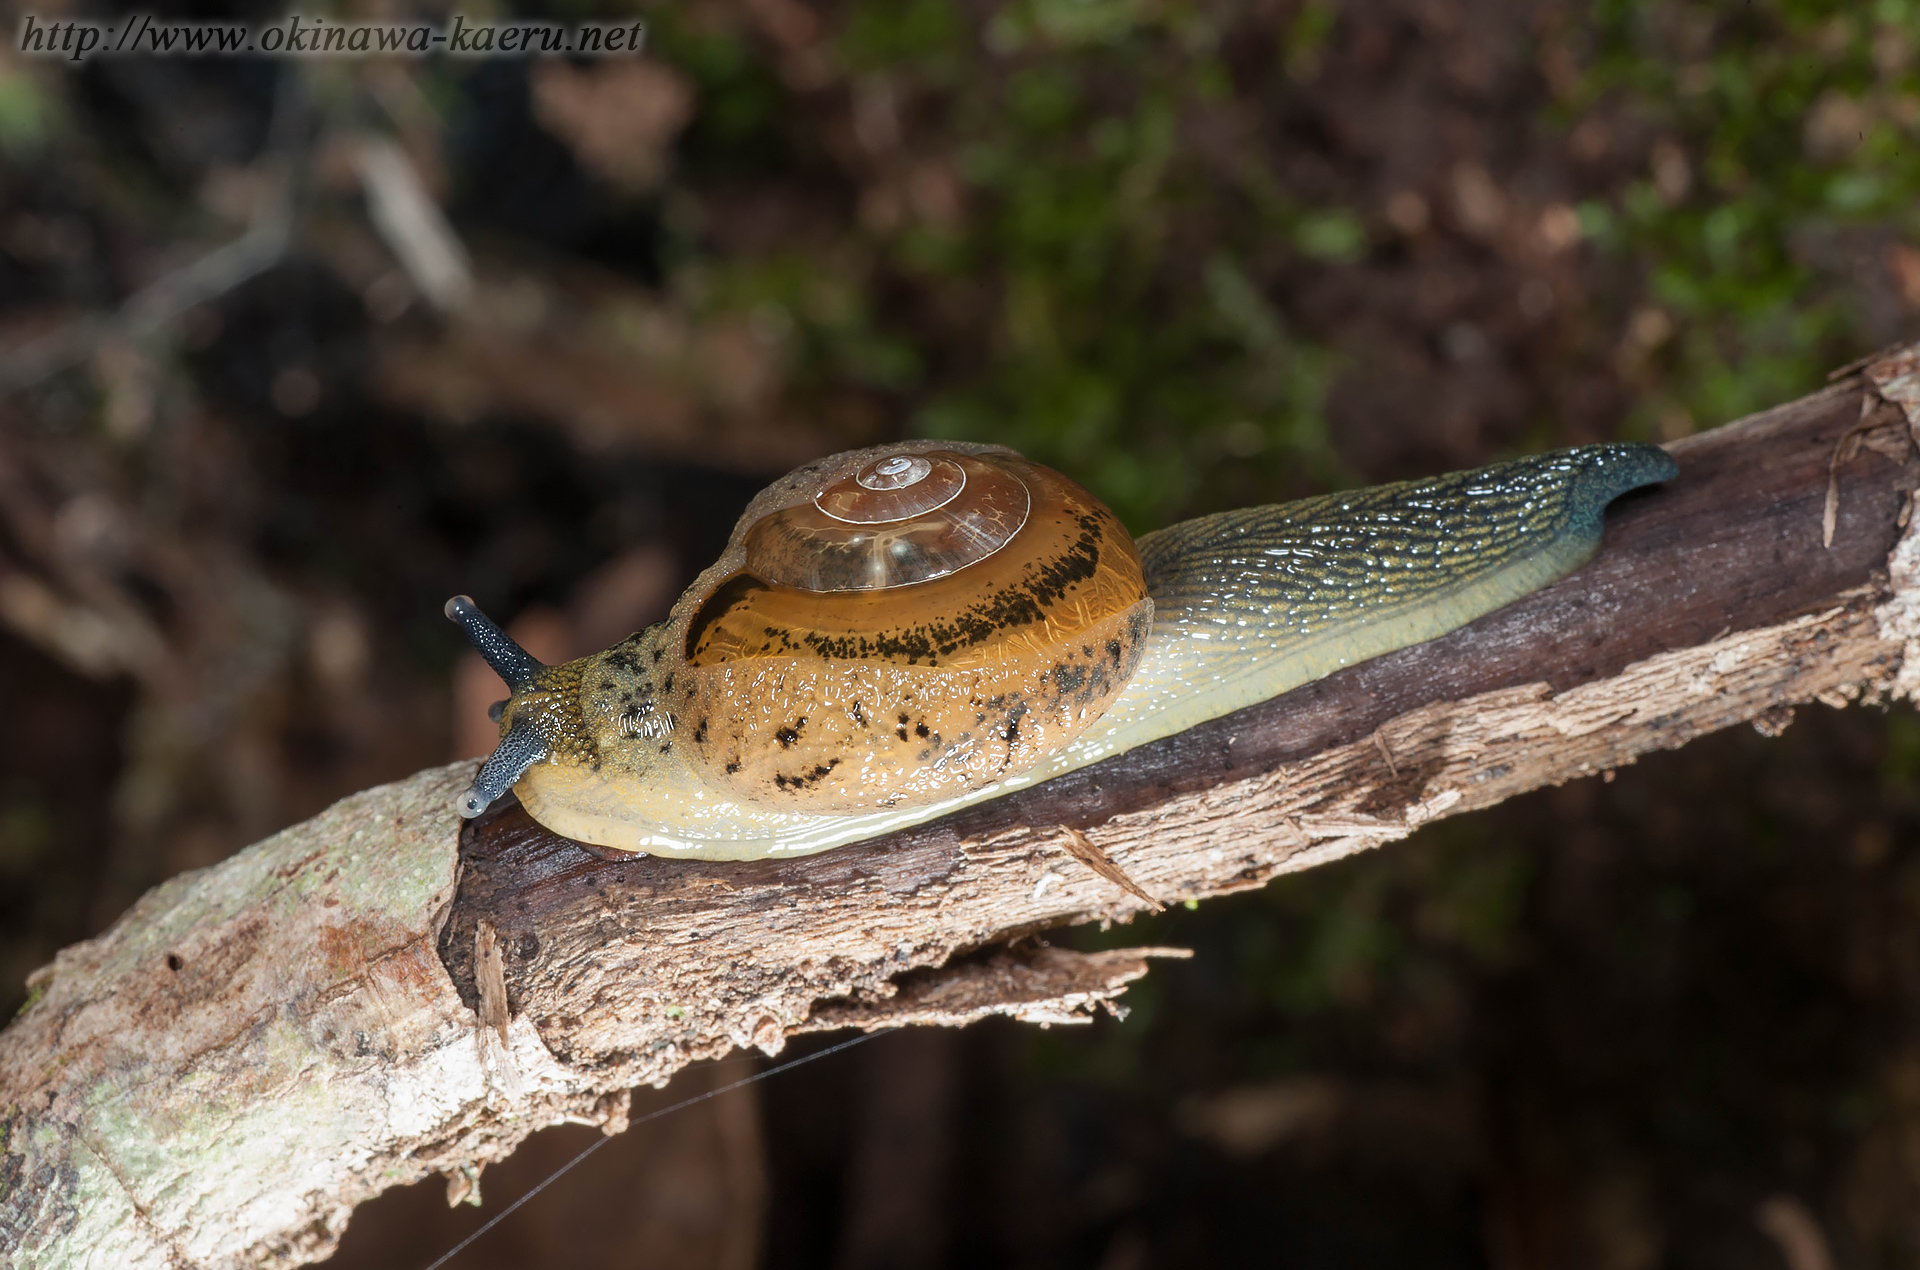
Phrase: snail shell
(898, 632)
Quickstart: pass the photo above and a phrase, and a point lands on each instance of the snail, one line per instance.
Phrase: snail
(897, 632)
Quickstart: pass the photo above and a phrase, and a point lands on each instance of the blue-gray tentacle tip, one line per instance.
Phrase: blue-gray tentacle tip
(510, 661)
(518, 750)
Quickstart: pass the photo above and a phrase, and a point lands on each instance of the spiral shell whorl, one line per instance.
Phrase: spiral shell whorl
(896, 521)
(890, 488)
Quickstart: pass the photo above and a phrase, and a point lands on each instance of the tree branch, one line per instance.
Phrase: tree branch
(381, 993)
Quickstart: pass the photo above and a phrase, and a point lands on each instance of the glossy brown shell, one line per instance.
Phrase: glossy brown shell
(885, 647)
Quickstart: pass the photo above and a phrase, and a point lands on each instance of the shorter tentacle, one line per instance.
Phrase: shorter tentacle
(518, 750)
(510, 661)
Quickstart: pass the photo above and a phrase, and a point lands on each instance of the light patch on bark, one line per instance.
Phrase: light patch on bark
(1897, 380)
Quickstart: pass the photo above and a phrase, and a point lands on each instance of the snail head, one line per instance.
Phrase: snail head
(536, 720)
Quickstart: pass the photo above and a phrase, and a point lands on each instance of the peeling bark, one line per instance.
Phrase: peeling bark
(382, 992)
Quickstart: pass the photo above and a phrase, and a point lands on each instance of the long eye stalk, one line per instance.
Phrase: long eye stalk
(510, 661)
(523, 745)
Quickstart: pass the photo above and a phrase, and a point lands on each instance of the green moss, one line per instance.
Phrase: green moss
(34, 996)
(1788, 133)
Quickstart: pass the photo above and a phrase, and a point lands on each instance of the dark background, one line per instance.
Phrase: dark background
(1195, 254)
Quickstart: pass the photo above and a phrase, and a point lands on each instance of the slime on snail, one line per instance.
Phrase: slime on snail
(899, 632)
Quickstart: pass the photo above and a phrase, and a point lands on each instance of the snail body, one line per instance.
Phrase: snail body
(896, 633)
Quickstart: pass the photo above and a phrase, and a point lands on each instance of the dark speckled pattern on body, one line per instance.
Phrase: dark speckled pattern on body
(1327, 559)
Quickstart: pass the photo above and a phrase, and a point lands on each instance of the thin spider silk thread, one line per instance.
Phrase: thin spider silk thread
(560, 1172)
